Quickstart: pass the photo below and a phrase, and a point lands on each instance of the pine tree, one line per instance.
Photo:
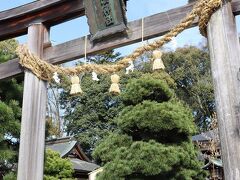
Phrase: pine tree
(10, 111)
(89, 117)
(154, 136)
(190, 69)
(56, 167)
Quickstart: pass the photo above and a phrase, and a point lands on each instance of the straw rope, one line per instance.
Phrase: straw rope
(43, 70)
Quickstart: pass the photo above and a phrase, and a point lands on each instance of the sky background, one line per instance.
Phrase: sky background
(136, 9)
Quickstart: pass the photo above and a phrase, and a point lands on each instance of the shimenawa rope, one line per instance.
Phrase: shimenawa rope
(43, 70)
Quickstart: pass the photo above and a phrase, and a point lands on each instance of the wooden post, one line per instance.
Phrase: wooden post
(31, 152)
(225, 63)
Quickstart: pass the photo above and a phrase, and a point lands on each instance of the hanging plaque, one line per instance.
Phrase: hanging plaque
(105, 17)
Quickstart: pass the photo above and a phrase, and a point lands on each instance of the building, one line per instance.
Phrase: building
(69, 148)
(93, 174)
(215, 168)
(209, 144)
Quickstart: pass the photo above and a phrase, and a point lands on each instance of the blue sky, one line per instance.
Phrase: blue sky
(136, 10)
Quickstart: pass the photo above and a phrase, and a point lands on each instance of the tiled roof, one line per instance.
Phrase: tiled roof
(206, 136)
(62, 147)
(83, 166)
(216, 162)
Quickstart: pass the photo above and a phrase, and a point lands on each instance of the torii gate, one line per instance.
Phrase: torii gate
(35, 19)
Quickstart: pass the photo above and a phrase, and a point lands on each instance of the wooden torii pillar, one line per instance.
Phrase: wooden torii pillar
(32, 140)
(225, 54)
(224, 49)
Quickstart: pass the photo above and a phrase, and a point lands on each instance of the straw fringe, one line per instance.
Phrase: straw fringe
(43, 70)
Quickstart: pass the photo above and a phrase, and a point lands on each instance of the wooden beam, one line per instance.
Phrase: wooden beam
(155, 25)
(14, 22)
(10, 69)
(32, 139)
(225, 64)
(236, 7)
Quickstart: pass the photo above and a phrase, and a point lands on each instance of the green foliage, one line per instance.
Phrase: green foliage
(10, 111)
(10, 115)
(113, 141)
(56, 167)
(89, 117)
(153, 140)
(105, 57)
(10, 176)
(152, 160)
(52, 130)
(138, 159)
(146, 88)
(166, 122)
(9, 127)
(7, 50)
(11, 90)
(190, 68)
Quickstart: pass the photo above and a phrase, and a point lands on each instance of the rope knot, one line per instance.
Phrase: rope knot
(205, 13)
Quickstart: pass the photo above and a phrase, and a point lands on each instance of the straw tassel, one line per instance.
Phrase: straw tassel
(115, 84)
(157, 63)
(75, 88)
